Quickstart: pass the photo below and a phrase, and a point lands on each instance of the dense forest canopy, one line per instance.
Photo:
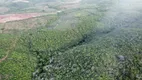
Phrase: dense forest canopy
(70, 40)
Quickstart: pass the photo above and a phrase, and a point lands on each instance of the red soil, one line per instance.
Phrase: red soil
(13, 17)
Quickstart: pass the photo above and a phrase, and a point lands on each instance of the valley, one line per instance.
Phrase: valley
(70, 40)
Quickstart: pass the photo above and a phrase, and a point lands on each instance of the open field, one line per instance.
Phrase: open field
(13, 17)
(26, 24)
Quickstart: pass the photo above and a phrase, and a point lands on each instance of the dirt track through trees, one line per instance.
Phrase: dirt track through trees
(9, 50)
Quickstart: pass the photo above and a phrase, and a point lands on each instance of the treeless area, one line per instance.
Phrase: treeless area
(70, 4)
(13, 17)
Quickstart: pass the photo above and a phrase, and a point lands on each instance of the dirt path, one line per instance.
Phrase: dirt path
(9, 50)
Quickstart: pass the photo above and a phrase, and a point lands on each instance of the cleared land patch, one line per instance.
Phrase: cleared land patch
(13, 17)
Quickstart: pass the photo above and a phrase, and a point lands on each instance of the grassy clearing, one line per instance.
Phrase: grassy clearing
(26, 24)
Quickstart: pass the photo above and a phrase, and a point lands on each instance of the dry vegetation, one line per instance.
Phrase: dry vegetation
(26, 24)
(15, 17)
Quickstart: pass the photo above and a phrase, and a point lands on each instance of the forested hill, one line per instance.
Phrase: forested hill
(80, 40)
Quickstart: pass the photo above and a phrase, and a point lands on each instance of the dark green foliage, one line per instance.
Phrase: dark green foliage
(131, 68)
(88, 51)
(60, 56)
(17, 66)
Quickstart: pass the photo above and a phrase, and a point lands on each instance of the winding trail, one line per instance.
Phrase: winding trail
(9, 50)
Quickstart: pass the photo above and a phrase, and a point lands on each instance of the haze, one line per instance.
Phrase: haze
(70, 40)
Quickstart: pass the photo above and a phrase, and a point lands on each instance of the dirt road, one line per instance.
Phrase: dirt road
(9, 50)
